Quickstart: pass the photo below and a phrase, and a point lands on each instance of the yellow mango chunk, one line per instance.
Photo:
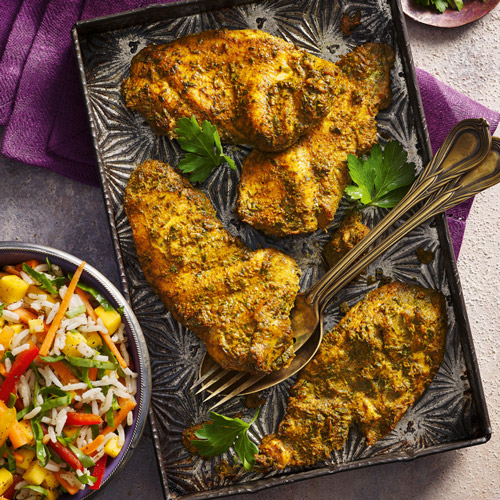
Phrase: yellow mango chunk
(36, 325)
(17, 328)
(38, 291)
(50, 481)
(35, 473)
(52, 494)
(21, 434)
(6, 480)
(112, 448)
(12, 289)
(111, 319)
(93, 339)
(7, 421)
(71, 346)
(28, 456)
(70, 430)
(6, 336)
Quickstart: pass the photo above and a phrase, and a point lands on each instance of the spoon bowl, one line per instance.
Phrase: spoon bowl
(467, 163)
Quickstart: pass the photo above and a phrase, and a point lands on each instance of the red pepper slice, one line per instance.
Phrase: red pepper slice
(83, 419)
(98, 472)
(20, 365)
(65, 453)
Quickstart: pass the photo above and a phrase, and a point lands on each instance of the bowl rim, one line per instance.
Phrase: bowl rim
(137, 346)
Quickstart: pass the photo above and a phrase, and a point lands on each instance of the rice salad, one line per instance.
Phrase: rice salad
(67, 385)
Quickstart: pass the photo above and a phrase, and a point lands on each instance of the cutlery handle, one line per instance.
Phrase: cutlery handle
(483, 176)
(465, 147)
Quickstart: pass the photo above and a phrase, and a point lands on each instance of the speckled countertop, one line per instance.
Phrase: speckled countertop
(39, 206)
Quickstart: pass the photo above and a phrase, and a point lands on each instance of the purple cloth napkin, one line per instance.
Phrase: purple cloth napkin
(443, 108)
(42, 104)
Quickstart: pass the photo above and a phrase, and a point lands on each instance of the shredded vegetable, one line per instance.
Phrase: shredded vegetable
(64, 384)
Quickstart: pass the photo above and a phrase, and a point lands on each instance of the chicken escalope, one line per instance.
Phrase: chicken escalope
(370, 368)
(256, 89)
(236, 300)
(298, 190)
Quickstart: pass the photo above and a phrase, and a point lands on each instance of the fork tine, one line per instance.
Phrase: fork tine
(216, 378)
(214, 368)
(237, 376)
(238, 390)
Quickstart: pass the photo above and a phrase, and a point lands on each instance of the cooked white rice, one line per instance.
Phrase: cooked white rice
(20, 349)
(10, 316)
(15, 305)
(53, 311)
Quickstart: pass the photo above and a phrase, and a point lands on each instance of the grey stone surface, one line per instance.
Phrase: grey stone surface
(39, 206)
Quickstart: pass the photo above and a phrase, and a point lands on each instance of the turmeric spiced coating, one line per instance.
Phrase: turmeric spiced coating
(370, 368)
(255, 88)
(298, 190)
(350, 232)
(236, 300)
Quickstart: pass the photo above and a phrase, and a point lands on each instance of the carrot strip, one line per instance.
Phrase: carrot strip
(69, 487)
(3, 371)
(93, 373)
(30, 263)
(126, 406)
(109, 342)
(20, 435)
(12, 270)
(93, 445)
(17, 456)
(64, 374)
(86, 303)
(49, 338)
(105, 336)
(25, 316)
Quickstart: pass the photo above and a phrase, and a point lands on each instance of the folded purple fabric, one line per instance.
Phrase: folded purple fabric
(9, 13)
(42, 102)
(443, 108)
(20, 40)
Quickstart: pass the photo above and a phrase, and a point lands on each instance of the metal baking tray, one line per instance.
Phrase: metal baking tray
(451, 414)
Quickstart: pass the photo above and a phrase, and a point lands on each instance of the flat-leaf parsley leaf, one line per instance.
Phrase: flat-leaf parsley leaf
(202, 146)
(218, 436)
(383, 178)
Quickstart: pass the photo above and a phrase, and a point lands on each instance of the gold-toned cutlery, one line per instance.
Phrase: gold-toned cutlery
(468, 162)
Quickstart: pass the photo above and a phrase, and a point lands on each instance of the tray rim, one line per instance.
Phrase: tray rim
(140, 16)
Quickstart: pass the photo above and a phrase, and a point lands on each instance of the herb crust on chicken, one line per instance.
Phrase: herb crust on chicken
(257, 89)
(369, 370)
(236, 300)
(298, 190)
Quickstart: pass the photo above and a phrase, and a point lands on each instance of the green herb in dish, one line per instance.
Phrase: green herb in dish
(202, 146)
(383, 178)
(51, 286)
(442, 5)
(223, 432)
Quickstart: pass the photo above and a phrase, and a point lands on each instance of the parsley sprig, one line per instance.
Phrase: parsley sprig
(383, 178)
(202, 146)
(442, 5)
(223, 432)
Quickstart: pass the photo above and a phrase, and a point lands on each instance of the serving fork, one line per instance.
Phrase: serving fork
(467, 163)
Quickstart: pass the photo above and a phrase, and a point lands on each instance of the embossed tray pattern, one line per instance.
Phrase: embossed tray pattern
(451, 413)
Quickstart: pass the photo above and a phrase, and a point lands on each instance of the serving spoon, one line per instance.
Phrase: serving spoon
(465, 165)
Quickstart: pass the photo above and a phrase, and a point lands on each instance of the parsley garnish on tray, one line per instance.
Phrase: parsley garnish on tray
(202, 146)
(219, 435)
(383, 178)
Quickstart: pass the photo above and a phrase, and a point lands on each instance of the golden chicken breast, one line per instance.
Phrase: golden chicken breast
(370, 368)
(298, 190)
(236, 300)
(255, 88)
